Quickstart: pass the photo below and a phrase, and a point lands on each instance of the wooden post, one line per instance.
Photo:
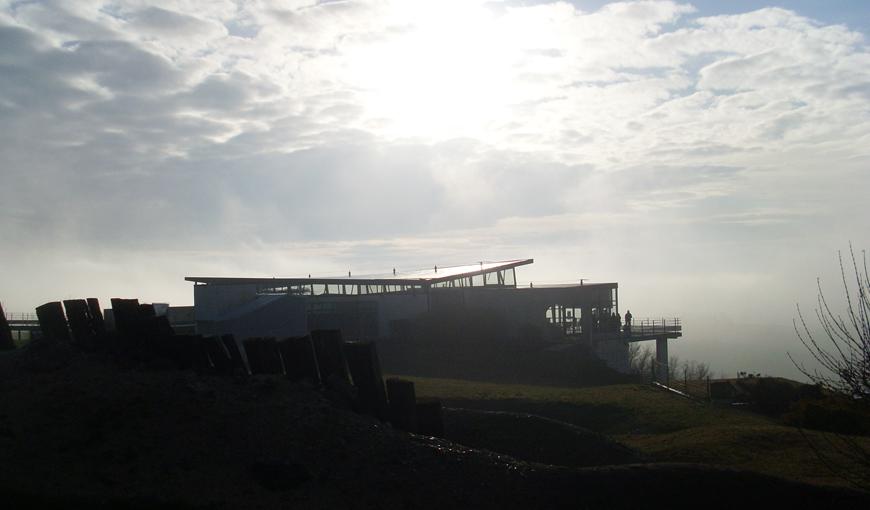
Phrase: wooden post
(330, 355)
(250, 347)
(182, 350)
(709, 396)
(199, 360)
(52, 321)
(429, 419)
(98, 323)
(127, 322)
(6, 342)
(365, 368)
(300, 362)
(147, 332)
(235, 354)
(79, 316)
(263, 356)
(403, 404)
(220, 359)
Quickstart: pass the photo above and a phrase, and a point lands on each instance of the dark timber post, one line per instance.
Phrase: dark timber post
(79, 316)
(52, 321)
(362, 358)
(403, 404)
(263, 356)
(127, 323)
(232, 348)
(330, 355)
(5, 333)
(220, 359)
(430, 421)
(300, 362)
(96, 313)
(98, 323)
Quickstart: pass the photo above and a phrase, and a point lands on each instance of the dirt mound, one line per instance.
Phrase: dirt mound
(79, 430)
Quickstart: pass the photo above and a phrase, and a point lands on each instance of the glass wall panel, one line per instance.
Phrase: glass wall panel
(510, 278)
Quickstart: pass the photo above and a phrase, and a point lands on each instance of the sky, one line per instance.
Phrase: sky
(711, 157)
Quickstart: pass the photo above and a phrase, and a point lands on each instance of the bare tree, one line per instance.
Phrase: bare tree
(842, 353)
(702, 371)
(633, 355)
(842, 350)
(673, 368)
(642, 359)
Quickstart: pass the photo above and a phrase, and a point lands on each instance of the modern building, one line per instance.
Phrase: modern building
(377, 307)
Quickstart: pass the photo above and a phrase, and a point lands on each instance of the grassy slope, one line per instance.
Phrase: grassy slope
(666, 427)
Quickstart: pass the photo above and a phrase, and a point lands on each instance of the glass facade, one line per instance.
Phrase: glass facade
(497, 278)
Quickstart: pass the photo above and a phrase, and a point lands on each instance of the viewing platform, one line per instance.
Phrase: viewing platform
(652, 329)
(26, 323)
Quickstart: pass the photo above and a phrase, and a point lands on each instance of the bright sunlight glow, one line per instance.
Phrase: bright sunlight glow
(449, 75)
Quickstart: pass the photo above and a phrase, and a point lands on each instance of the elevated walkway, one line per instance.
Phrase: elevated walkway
(652, 329)
(23, 325)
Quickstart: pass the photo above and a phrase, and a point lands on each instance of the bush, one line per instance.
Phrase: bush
(830, 414)
(773, 396)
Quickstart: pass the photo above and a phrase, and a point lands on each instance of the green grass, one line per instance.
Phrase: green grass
(661, 425)
(641, 408)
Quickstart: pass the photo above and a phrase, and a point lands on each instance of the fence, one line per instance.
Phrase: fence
(652, 327)
(677, 379)
(21, 317)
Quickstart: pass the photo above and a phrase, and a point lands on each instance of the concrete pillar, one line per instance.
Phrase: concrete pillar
(662, 359)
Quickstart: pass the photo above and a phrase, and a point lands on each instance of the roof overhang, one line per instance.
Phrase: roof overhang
(425, 277)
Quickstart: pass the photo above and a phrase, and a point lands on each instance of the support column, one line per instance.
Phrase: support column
(586, 321)
(662, 360)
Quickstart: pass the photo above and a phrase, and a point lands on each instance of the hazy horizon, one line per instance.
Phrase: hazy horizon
(711, 158)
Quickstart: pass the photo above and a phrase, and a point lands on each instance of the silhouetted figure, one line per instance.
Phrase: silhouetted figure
(628, 321)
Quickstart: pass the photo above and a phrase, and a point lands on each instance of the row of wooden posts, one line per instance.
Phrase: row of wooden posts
(6, 341)
(322, 358)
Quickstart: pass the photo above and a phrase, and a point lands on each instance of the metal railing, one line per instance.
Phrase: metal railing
(675, 379)
(650, 327)
(21, 317)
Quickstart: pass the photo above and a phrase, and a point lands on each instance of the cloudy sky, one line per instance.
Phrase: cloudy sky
(711, 157)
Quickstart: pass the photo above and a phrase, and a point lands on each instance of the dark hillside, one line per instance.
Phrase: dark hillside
(81, 430)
